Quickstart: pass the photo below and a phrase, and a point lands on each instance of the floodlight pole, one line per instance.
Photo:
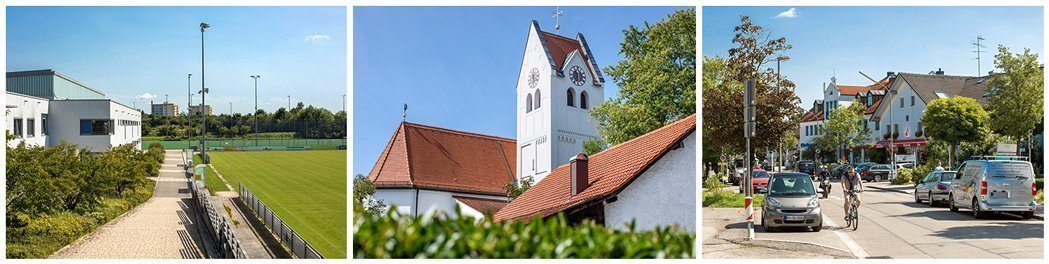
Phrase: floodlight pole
(256, 114)
(189, 102)
(203, 91)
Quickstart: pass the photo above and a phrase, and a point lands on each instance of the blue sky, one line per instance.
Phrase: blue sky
(127, 52)
(457, 67)
(840, 41)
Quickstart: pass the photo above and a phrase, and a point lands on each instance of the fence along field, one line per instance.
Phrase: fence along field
(307, 189)
(330, 143)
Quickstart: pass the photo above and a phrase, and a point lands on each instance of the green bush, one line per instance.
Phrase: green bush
(728, 199)
(904, 176)
(391, 236)
(59, 193)
(1040, 197)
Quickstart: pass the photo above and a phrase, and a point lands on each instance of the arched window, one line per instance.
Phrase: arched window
(528, 103)
(538, 99)
(571, 97)
(582, 100)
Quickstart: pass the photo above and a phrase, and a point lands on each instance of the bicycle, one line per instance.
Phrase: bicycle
(854, 213)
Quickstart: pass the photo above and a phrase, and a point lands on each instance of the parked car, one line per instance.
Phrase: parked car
(907, 165)
(807, 167)
(988, 186)
(759, 183)
(935, 187)
(877, 173)
(863, 167)
(791, 201)
(839, 171)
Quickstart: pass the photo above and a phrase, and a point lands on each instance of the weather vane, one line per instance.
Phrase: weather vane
(404, 115)
(557, 19)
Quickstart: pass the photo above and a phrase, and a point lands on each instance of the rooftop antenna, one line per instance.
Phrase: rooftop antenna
(557, 19)
(979, 46)
(404, 115)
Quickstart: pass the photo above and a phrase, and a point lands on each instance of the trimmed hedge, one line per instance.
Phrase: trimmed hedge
(57, 194)
(389, 235)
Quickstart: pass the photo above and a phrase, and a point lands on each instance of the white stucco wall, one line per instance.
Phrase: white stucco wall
(430, 201)
(551, 134)
(908, 116)
(26, 107)
(662, 196)
(65, 123)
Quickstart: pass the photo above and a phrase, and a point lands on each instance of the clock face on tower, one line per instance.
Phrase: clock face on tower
(533, 78)
(577, 75)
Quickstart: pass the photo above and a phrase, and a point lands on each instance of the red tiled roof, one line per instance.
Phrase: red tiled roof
(852, 90)
(610, 171)
(560, 47)
(420, 156)
(873, 107)
(481, 205)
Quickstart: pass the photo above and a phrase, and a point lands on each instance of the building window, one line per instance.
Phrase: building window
(907, 118)
(538, 99)
(93, 127)
(528, 103)
(901, 102)
(31, 127)
(17, 127)
(912, 100)
(43, 124)
(877, 126)
(583, 100)
(896, 128)
(571, 97)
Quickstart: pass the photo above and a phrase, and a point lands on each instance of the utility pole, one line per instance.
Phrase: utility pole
(203, 91)
(748, 130)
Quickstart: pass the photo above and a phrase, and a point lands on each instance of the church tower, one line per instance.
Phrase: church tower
(558, 84)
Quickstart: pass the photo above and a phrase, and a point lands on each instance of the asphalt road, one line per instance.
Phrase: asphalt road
(893, 226)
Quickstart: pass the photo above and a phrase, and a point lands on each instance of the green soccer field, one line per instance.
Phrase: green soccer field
(305, 188)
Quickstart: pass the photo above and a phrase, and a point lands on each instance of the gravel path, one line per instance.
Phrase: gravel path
(163, 227)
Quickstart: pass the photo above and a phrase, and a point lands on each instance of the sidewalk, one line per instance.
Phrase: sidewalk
(724, 233)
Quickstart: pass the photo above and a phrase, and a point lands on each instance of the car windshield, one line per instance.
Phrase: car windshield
(761, 174)
(1010, 169)
(946, 176)
(791, 185)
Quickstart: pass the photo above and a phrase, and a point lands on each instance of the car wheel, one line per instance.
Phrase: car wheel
(1028, 215)
(765, 223)
(818, 228)
(950, 201)
(976, 209)
(932, 203)
(877, 178)
(916, 199)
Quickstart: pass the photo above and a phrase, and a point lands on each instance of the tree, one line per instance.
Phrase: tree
(955, 120)
(363, 200)
(656, 79)
(844, 128)
(1016, 102)
(515, 189)
(778, 110)
(594, 145)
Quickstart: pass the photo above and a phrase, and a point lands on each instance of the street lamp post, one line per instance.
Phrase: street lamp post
(779, 59)
(203, 91)
(256, 113)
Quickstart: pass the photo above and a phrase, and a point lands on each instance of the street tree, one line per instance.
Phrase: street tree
(778, 110)
(1016, 102)
(363, 200)
(656, 79)
(955, 120)
(844, 129)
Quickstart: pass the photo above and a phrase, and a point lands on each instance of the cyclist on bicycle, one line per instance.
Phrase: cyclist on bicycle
(851, 182)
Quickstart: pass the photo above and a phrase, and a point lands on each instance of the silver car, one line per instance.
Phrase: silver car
(994, 185)
(935, 187)
(791, 201)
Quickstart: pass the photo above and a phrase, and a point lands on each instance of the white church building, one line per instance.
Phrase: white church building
(651, 178)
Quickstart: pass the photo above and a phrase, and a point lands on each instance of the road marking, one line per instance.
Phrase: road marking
(845, 238)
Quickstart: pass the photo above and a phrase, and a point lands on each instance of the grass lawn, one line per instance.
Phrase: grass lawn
(305, 188)
(721, 199)
(211, 180)
(313, 143)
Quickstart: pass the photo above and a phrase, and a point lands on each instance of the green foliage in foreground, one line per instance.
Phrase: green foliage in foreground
(391, 236)
(57, 194)
(715, 196)
(906, 176)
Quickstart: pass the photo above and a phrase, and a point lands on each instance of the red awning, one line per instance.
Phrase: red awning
(921, 142)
